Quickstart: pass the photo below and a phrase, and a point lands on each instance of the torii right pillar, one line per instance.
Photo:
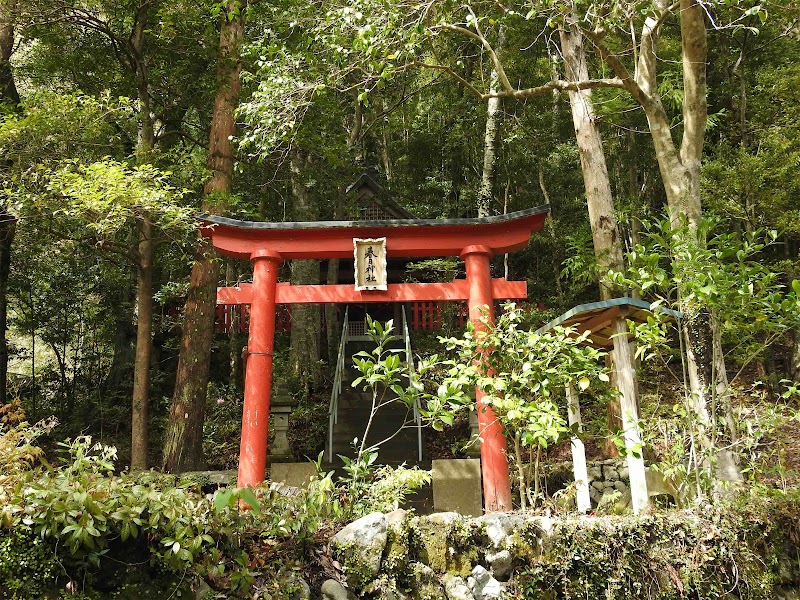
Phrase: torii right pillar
(494, 460)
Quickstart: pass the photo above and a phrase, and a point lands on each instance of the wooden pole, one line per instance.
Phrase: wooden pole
(622, 357)
(258, 380)
(494, 462)
(583, 500)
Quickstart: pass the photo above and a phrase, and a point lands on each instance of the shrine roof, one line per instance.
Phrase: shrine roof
(405, 237)
(301, 225)
(370, 192)
(597, 317)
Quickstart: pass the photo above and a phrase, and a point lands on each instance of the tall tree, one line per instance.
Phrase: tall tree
(607, 247)
(8, 86)
(304, 355)
(8, 93)
(125, 33)
(491, 139)
(679, 163)
(183, 446)
(140, 419)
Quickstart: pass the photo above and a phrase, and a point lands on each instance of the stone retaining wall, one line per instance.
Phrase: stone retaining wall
(445, 556)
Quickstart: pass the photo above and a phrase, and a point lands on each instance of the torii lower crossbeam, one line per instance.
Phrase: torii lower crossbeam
(286, 293)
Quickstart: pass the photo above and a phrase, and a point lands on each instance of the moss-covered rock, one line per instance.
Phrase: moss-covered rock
(444, 542)
(398, 545)
(359, 548)
(425, 583)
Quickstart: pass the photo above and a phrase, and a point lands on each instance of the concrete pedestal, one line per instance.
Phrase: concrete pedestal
(457, 486)
(293, 474)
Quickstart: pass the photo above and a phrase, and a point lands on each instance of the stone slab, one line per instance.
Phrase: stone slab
(457, 486)
(293, 474)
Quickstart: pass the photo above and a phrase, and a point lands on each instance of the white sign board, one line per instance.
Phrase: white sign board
(370, 263)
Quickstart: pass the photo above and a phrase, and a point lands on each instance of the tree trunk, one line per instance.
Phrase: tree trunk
(491, 140)
(235, 343)
(144, 328)
(8, 88)
(794, 367)
(8, 224)
(183, 447)
(304, 357)
(118, 378)
(144, 267)
(680, 168)
(599, 200)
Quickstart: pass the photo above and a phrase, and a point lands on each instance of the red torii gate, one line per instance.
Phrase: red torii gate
(268, 244)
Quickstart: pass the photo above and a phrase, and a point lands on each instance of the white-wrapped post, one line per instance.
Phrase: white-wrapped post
(622, 357)
(578, 452)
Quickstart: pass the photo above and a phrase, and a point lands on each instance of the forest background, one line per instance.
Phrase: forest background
(664, 139)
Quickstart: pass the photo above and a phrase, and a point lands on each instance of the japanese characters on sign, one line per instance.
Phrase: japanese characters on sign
(370, 263)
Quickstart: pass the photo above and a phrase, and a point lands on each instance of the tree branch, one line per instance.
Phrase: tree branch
(498, 65)
(628, 81)
(562, 86)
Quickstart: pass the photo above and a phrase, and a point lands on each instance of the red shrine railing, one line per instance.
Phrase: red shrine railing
(225, 315)
(424, 316)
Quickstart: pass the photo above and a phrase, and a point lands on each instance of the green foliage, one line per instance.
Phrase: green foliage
(28, 566)
(18, 455)
(524, 375)
(222, 427)
(109, 194)
(308, 428)
(432, 270)
(367, 488)
(381, 371)
(84, 507)
(747, 300)
(82, 517)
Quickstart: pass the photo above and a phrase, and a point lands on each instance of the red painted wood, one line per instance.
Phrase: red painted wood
(258, 380)
(401, 240)
(396, 292)
(423, 316)
(494, 462)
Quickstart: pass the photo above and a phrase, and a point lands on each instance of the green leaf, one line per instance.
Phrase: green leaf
(249, 497)
(222, 500)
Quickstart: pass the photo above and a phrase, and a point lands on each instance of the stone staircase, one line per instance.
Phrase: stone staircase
(354, 410)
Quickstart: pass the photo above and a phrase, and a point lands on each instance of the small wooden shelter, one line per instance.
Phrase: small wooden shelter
(606, 322)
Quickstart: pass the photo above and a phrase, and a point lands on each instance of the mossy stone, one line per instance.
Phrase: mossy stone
(424, 583)
(446, 544)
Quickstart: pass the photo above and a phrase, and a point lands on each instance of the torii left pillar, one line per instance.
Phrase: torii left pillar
(258, 379)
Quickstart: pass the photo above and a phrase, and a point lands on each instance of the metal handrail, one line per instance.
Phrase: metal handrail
(333, 409)
(410, 364)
